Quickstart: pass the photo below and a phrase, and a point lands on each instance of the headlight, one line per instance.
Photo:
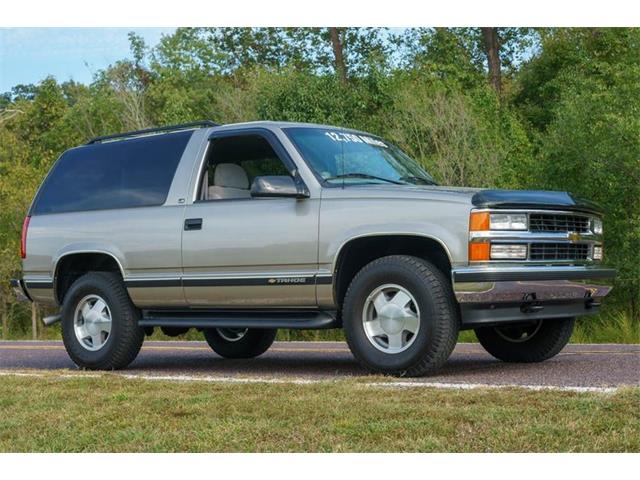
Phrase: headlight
(596, 226)
(483, 221)
(508, 221)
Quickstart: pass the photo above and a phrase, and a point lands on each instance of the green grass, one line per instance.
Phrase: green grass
(615, 328)
(109, 413)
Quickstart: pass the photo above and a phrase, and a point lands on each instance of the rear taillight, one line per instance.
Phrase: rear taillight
(23, 238)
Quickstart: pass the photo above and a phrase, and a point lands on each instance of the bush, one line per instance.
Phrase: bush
(462, 137)
(592, 148)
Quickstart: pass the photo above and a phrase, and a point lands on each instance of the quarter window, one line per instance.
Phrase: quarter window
(119, 174)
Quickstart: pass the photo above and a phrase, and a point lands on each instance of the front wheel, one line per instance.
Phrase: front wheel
(239, 342)
(529, 342)
(400, 317)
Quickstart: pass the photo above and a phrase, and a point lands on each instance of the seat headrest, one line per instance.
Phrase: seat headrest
(230, 175)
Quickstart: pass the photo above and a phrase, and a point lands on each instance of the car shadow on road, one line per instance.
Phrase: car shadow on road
(299, 365)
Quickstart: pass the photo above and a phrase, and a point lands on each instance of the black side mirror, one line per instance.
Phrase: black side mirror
(278, 186)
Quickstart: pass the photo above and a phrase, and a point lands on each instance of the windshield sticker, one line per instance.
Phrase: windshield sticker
(353, 138)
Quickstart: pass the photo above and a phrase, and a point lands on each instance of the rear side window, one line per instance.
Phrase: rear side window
(120, 174)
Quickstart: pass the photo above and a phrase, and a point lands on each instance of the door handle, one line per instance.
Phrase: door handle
(193, 224)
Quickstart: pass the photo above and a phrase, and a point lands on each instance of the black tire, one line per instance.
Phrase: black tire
(527, 343)
(125, 338)
(438, 320)
(249, 343)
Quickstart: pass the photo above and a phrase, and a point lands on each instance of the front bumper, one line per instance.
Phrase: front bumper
(19, 289)
(490, 295)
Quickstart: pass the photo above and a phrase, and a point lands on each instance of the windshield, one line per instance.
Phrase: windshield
(343, 157)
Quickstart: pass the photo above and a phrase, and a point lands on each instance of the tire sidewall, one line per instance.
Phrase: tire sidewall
(547, 342)
(255, 342)
(362, 287)
(87, 285)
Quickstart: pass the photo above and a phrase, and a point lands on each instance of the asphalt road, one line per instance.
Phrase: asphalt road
(606, 365)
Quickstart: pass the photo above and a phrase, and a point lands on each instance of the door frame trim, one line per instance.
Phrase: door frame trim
(271, 138)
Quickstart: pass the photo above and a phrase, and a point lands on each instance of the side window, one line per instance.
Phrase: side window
(119, 174)
(234, 162)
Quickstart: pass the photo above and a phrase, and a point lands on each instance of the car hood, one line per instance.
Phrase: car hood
(478, 197)
(533, 199)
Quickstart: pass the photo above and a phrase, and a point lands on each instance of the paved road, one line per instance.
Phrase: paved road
(604, 365)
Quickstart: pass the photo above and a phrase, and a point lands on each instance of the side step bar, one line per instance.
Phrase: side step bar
(297, 320)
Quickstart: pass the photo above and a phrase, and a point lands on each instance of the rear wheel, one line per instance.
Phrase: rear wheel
(100, 323)
(239, 342)
(399, 316)
(529, 342)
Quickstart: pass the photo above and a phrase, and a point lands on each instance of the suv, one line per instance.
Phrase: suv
(239, 230)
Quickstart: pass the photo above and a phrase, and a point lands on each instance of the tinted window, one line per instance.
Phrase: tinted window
(121, 174)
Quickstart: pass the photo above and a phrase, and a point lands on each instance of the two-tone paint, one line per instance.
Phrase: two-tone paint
(266, 252)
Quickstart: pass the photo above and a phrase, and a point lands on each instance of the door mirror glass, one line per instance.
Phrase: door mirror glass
(277, 186)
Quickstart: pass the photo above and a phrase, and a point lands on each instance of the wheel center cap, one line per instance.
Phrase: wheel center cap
(391, 319)
(91, 326)
(91, 323)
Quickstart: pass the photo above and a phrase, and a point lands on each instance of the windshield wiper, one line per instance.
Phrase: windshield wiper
(364, 175)
(413, 178)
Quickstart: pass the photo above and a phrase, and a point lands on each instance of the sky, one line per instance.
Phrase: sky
(28, 55)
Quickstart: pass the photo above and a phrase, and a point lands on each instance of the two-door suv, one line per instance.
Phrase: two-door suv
(239, 230)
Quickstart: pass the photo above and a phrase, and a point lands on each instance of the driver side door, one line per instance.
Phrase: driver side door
(239, 251)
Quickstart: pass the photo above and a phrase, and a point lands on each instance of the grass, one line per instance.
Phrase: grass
(615, 328)
(109, 413)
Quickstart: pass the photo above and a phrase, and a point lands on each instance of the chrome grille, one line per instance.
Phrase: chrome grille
(559, 251)
(547, 222)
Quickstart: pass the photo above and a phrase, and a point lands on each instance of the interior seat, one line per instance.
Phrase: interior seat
(229, 181)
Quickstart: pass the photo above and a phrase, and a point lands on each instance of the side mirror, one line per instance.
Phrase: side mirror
(278, 186)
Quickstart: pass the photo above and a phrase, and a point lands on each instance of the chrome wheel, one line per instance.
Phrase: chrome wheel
(232, 334)
(391, 318)
(518, 333)
(92, 322)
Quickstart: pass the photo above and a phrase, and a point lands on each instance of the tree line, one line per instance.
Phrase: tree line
(555, 109)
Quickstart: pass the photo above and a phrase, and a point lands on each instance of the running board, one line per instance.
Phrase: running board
(297, 319)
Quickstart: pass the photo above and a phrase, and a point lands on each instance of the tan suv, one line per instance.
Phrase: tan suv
(239, 230)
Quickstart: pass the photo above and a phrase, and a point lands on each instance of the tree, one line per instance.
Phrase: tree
(336, 44)
(492, 50)
(346, 52)
(460, 135)
(581, 94)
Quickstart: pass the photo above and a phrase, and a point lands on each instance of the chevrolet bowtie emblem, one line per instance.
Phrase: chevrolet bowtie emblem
(575, 237)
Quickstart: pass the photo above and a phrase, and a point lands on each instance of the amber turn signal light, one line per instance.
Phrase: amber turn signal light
(479, 252)
(479, 221)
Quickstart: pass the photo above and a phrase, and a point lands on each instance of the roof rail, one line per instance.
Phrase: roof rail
(148, 131)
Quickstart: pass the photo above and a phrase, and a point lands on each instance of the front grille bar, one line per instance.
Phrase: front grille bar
(542, 222)
(558, 251)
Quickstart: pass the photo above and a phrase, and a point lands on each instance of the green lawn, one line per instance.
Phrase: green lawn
(110, 413)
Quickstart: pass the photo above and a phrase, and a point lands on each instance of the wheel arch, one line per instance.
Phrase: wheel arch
(70, 265)
(357, 251)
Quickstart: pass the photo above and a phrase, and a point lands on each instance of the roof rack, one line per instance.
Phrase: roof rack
(148, 131)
